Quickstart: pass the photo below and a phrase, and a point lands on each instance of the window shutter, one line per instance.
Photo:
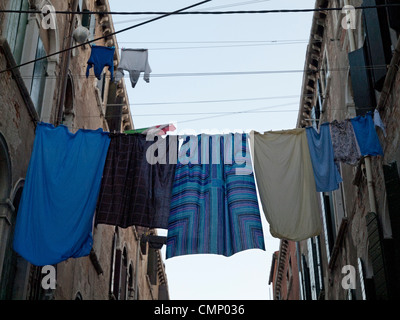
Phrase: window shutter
(392, 246)
(152, 266)
(375, 251)
(307, 282)
(163, 292)
(394, 15)
(364, 95)
(378, 40)
(86, 18)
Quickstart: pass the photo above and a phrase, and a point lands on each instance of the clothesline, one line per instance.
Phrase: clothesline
(388, 5)
(103, 37)
(202, 190)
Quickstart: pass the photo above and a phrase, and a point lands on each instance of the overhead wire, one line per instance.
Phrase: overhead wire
(163, 15)
(232, 73)
(103, 37)
(182, 12)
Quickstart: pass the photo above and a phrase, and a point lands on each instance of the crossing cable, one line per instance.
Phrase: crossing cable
(182, 12)
(100, 38)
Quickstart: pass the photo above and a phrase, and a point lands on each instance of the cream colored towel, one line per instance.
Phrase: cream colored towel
(286, 184)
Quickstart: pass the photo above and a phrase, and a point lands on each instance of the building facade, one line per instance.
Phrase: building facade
(55, 90)
(351, 68)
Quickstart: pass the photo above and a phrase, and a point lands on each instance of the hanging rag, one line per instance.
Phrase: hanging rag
(214, 206)
(134, 61)
(286, 184)
(55, 216)
(344, 142)
(366, 135)
(136, 185)
(101, 57)
(155, 130)
(378, 122)
(326, 174)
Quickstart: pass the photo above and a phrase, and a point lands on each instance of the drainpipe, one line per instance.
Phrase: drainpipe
(67, 58)
(367, 159)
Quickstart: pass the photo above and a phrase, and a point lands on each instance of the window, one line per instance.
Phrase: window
(69, 113)
(325, 75)
(16, 27)
(87, 20)
(306, 279)
(328, 220)
(39, 77)
(315, 267)
(368, 63)
(361, 275)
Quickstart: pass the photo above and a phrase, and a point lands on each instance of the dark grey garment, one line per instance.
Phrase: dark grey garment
(133, 190)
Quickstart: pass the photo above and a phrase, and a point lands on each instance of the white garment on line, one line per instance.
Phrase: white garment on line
(134, 61)
(286, 184)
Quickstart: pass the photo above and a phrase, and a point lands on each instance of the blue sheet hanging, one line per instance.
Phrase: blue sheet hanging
(366, 135)
(326, 174)
(55, 216)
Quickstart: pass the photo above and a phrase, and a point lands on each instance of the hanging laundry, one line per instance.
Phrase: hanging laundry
(366, 135)
(155, 130)
(214, 206)
(134, 61)
(136, 185)
(344, 142)
(378, 122)
(55, 216)
(326, 174)
(286, 184)
(101, 57)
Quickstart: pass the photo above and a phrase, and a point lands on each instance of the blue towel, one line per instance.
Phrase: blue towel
(326, 174)
(366, 135)
(55, 216)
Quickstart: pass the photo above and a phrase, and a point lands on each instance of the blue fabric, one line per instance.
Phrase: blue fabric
(366, 135)
(55, 216)
(214, 205)
(326, 174)
(100, 58)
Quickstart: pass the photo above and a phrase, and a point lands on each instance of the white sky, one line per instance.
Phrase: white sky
(243, 276)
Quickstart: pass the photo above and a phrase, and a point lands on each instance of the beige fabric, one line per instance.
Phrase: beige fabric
(286, 184)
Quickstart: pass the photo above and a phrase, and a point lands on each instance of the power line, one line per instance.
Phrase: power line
(181, 12)
(230, 73)
(216, 101)
(198, 113)
(100, 38)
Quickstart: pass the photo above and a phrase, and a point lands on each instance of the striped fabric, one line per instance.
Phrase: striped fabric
(214, 207)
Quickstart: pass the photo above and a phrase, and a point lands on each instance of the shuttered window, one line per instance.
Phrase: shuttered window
(375, 251)
(393, 15)
(364, 95)
(378, 41)
(392, 246)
